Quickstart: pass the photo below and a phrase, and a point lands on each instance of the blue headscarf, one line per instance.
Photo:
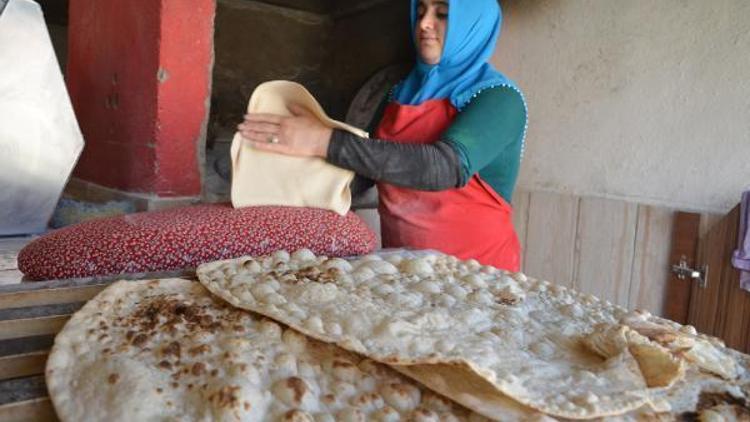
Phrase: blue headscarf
(463, 70)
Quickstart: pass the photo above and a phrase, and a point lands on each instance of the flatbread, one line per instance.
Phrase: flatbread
(473, 333)
(265, 178)
(167, 350)
(707, 353)
(659, 367)
(520, 336)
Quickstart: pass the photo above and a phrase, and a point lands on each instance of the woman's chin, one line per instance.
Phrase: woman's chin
(430, 59)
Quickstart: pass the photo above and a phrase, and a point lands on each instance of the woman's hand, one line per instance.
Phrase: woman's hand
(300, 134)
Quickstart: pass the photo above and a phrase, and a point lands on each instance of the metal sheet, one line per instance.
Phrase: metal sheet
(40, 140)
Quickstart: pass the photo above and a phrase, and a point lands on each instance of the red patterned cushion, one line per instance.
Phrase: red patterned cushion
(186, 237)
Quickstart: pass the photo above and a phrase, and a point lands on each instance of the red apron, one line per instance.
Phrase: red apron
(468, 222)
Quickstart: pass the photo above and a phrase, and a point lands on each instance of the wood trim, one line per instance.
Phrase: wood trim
(97, 280)
(605, 244)
(684, 243)
(27, 327)
(651, 267)
(48, 296)
(705, 301)
(29, 410)
(551, 237)
(15, 366)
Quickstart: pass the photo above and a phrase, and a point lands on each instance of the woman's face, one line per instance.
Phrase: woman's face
(429, 33)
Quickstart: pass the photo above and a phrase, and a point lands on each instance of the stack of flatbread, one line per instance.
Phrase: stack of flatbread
(375, 338)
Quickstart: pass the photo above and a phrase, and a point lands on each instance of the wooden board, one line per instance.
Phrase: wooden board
(733, 308)
(39, 410)
(23, 365)
(21, 299)
(28, 327)
(721, 308)
(650, 275)
(550, 237)
(685, 234)
(704, 301)
(605, 245)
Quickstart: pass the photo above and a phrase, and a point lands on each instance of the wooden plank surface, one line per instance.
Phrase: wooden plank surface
(550, 237)
(734, 321)
(521, 220)
(685, 234)
(49, 296)
(16, 390)
(704, 302)
(733, 308)
(605, 246)
(651, 267)
(17, 328)
(24, 365)
(40, 410)
(188, 273)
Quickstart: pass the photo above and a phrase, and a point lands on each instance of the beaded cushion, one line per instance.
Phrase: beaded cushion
(186, 237)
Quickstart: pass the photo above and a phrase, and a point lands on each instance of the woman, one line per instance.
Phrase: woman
(447, 144)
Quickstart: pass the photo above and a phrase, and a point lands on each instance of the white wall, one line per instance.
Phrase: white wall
(644, 100)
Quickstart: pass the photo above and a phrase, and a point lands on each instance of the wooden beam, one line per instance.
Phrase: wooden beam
(651, 267)
(15, 366)
(40, 410)
(49, 296)
(27, 327)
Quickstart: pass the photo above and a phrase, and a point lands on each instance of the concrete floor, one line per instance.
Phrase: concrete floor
(9, 248)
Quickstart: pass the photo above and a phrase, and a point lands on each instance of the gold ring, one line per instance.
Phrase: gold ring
(272, 139)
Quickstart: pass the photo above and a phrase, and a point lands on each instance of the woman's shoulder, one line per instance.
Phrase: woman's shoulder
(504, 96)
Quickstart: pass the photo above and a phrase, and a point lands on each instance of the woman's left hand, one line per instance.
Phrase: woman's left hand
(300, 134)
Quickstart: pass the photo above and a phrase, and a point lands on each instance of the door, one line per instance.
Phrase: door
(717, 306)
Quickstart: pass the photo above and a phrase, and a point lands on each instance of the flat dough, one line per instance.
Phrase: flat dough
(504, 337)
(265, 178)
(476, 334)
(160, 350)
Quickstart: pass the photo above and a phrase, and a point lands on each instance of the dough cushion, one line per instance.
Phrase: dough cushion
(265, 178)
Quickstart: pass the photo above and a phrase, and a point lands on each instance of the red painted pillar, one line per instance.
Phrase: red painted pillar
(139, 75)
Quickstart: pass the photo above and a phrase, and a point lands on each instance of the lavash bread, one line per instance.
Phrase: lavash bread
(438, 320)
(168, 350)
